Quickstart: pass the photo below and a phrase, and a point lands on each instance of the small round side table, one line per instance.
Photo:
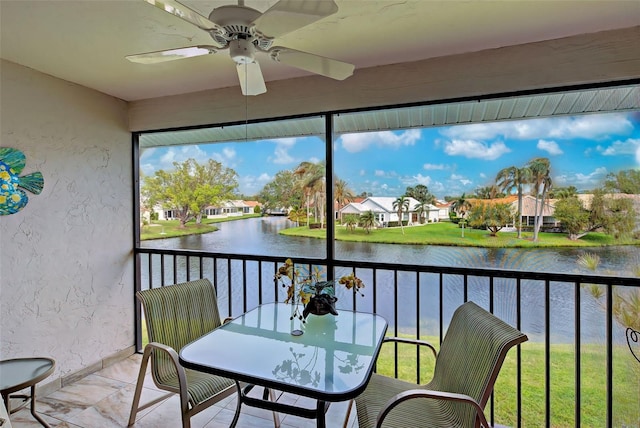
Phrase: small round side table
(20, 373)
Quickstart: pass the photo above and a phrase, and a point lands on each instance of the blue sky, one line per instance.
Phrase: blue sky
(448, 160)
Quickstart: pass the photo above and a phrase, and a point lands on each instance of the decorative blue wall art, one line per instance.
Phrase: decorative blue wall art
(12, 197)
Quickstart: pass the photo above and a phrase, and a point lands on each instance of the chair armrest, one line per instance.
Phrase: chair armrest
(173, 355)
(411, 342)
(161, 346)
(425, 393)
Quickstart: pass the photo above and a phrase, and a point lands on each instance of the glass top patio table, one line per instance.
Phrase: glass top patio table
(20, 373)
(331, 361)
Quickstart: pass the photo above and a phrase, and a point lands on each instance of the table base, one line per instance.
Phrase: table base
(27, 400)
(264, 403)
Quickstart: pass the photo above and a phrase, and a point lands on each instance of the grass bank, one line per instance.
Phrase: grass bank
(161, 229)
(446, 233)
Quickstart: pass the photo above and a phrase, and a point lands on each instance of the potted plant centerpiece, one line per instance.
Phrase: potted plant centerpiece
(305, 286)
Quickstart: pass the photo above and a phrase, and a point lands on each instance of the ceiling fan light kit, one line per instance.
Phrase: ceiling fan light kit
(246, 31)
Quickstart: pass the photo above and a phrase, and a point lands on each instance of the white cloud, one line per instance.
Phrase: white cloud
(627, 147)
(550, 147)
(180, 154)
(227, 157)
(474, 149)
(250, 184)
(417, 179)
(592, 127)
(435, 167)
(638, 155)
(229, 153)
(582, 181)
(147, 152)
(379, 173)
(281, 154)
(456, 177)
(354, 143)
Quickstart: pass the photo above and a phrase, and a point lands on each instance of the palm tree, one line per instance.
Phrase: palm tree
(563, 192)
(312, 180)
(342, 194)
(367, 220)
(351, 221)
(511, 178)
(401, 204)
(540, 178)
(295, 214)
(488, 192)
(461, 206)
(420, 209)
(425, 198)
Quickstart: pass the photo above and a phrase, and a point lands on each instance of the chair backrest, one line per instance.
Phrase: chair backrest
(176, 315)
(471, 356)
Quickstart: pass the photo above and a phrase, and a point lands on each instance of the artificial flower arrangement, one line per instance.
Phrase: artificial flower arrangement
(305, 286)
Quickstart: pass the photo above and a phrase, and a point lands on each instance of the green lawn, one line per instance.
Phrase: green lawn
(447, 233)
(626, 384)
(160, 229)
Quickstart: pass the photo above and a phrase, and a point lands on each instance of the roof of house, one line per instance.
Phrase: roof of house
(381, 204)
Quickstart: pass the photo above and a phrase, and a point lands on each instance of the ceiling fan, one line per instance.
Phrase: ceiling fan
(247, 32)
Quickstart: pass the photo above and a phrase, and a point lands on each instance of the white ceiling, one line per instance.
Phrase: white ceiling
(86, 41)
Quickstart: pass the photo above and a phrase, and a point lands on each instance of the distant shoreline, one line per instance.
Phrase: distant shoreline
(449, 234)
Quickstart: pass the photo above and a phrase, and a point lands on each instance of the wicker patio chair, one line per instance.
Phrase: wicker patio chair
(466, 369)
(176, 315)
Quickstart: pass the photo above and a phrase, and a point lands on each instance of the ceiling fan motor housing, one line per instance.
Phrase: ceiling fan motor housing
(242, 51)
(234, 19)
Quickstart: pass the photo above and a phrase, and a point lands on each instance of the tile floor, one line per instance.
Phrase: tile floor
(103, 400)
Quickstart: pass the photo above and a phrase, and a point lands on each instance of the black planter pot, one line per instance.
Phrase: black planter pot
(322, 304)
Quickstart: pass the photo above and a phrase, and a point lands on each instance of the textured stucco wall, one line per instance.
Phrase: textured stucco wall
(66, 270)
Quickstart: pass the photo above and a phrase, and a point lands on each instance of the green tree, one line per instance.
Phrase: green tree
(513, 178)
(611, 213)
(626, 181)
(312, 181)
(489, 192)
(296, 214)
(350, 221)
(541, 181)
(563, 192)
(574, 217)
(492, 216)
(461, 205)
(401, 205)
(190, 187)
(367, 220)
(281, 192)
(424, 197)
(619, 216)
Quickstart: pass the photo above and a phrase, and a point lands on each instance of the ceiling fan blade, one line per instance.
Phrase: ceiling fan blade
(314, 63)
(251, 79)
(184, 12)
(289, 15)
(171, 54)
